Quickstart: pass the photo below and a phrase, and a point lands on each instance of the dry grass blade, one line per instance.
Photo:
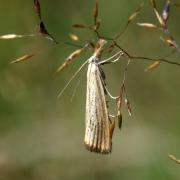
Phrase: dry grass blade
(160, 19)
(147, 25)
(79, 26)
(127, 103)
(65, 64)
(134, 14)
(166, 10)
(153, 2)
(153, 65)
(11, 36)
(37, 8)
(74, 37)
(95, 12)
(119, 99)
(174, 158)
(169, 42)
(112, 126)
(119, 116)
(23, 58)
(69, 59)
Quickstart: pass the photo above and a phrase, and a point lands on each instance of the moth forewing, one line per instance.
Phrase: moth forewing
(98, 126)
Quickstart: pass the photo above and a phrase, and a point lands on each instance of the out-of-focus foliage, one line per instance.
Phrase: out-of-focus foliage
(41, 137)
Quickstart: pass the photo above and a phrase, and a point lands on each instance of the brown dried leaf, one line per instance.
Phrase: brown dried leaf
(70, 58)
(74, 37)
(79, 26)
(153, 65)
(147, 25)
(127, 103)
(23, 58)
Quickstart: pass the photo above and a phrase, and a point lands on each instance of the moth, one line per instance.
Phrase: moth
(98, 125)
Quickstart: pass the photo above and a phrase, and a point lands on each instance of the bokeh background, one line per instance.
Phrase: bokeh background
(41, 137)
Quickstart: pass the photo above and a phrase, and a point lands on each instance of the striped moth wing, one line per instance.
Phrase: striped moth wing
(97, 130)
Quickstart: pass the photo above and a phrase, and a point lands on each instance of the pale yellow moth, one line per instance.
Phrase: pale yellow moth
(99, 128)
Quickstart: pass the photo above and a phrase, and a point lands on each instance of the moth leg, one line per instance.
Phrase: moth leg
(109, 94)
(111, 116)
(118, 55)
(102, 76)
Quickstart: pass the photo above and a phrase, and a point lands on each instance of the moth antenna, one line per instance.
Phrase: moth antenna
(77, 85)
(74, 75)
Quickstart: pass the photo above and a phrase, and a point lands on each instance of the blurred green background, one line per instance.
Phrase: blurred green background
(41, 137)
